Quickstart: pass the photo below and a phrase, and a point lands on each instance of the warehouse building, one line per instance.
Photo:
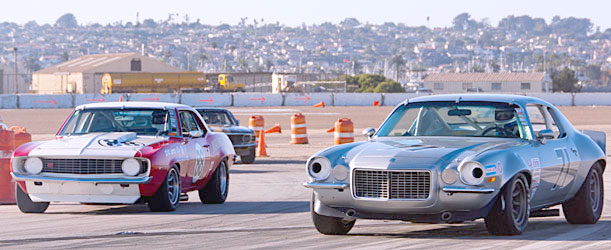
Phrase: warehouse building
(507, 82)
(83, 75)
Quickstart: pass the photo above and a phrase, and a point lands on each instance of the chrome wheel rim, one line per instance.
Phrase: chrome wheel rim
(594, 182)
(223, 176)
(519, 201)
(173, 186)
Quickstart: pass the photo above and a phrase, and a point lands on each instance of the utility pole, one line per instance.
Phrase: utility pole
(16, 70)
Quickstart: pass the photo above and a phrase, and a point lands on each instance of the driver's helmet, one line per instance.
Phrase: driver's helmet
(504, 115)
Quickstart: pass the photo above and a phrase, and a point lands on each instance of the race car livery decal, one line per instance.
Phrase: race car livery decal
(117, 143)
(200, 159)
(535, 167)
(490, 170)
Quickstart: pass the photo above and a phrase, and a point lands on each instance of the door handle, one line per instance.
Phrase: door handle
(574, 150)
(206, 146)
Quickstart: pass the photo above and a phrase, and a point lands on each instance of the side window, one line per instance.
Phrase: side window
(558, 131)
(191, 123)
(541, 118)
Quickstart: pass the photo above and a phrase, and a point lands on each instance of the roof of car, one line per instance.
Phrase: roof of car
(154, 105)
(480, 97)
(210, 108)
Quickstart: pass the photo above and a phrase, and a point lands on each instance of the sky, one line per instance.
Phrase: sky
(294, 13)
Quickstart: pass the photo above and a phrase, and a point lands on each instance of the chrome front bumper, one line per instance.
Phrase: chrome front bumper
(136, 180)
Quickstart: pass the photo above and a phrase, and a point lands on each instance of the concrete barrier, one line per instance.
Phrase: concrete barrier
(257, 99)
(559, 99)
(356, 99)
(588, 99)
(206, 99)
(32, 101)
(307, 99)
(96, 98)
(8, 101)
(393, 99)
(153, 97)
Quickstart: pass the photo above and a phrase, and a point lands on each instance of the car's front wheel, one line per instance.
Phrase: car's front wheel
(330, 225)
(587, 205)
(215, 192)
(250, 158)
(509, 215)
(167, 197)
(26, 205)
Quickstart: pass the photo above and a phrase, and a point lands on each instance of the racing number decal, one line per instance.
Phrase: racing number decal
(563, 154)
(200, 159)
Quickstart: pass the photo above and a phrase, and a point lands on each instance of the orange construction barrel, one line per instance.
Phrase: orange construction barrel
(7, 186)
(299, 133)
(256, 123)
(343, 131)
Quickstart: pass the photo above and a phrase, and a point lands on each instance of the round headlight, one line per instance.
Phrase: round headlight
(319, 168)
(449, 175)
(340, 172)
(471, 173)
(33, 165)
(246, 138)
(130, 167)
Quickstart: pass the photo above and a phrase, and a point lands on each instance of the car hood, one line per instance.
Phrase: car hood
(232, 129)
(115, 144)
(421, 152)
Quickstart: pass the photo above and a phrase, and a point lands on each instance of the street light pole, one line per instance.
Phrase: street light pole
(15, 77)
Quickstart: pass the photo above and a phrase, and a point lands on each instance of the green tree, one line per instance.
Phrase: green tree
(66, 21)
(399, 64)
(565, 81)
(389, 87)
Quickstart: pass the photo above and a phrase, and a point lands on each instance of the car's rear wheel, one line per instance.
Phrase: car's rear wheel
(587, 205)
(215, 192)
(26, 205)
(249, 159)
(509, 215)
(330, 225)
(167, 197)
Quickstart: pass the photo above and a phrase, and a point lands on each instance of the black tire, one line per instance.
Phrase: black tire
(587, 205)
(167, 197)
(26, 205)
(248, 159)
(330, 225)
(509, 215)
(215, 192)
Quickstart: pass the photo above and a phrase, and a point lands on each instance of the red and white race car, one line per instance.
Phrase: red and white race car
(124, 153)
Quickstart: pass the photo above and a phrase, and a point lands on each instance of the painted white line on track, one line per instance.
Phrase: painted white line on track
(575, 234)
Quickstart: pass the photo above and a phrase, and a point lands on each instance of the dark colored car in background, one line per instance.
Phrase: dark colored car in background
(243, 138)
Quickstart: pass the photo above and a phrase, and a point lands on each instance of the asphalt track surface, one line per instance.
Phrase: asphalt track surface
(269, 208)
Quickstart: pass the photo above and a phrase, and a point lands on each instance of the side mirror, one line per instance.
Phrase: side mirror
(195, 134)
(544, 135)
(368, 132)
(238, 122)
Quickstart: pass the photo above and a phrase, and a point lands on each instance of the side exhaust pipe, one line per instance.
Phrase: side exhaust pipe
(446, 216)
(351, 213)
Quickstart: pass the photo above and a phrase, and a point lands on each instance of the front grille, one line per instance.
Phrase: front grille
(85, 166)
(240, 139)
(400, 185)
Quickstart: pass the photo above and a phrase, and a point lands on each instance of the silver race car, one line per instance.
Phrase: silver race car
(455, 158)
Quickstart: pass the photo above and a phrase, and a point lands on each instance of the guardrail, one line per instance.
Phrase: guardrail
(33, 101)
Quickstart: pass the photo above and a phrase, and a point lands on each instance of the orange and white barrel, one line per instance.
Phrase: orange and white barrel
(256, 123)
(299, 133)
(343, 131)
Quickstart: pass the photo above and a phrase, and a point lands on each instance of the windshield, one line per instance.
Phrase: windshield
(141, 121)
(217, 117)
(470, 119)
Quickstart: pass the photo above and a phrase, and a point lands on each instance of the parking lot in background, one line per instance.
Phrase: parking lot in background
(267, 205)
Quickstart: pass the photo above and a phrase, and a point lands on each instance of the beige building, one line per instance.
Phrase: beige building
(83, 75)
(510, 82)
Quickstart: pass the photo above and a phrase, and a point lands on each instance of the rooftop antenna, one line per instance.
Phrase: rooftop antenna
(137, 18)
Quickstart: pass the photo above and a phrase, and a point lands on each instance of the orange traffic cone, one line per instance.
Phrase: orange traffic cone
(261, 151)
(320, 104)
(121, 98)
(376, 103)
(275, 129)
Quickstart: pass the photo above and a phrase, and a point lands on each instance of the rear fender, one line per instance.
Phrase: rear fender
(599, 137)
